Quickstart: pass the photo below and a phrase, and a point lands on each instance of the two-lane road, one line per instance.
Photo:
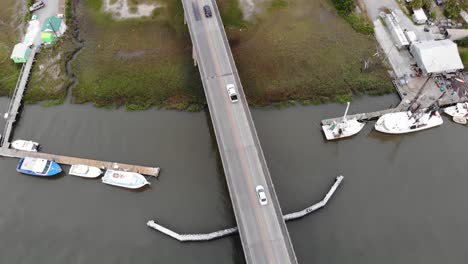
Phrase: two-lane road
(264, 236)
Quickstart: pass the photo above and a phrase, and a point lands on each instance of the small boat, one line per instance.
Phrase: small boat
(460, 109)
(343, 128)
(85, 171)
(407, 122)
(38, 167)
(125, 179)
(460, 120)
(25, 145)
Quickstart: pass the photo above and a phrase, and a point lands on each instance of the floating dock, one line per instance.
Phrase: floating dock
(67, 160)
(232, 230)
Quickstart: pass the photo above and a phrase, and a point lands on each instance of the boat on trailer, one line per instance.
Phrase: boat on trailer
(344, 128)
(85, 171)
(125, 179)
(38, 167)
(25, 145)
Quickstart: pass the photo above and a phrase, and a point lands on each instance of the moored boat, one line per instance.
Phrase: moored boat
(125, 179)
(25, 145)
(85, 171)
(343, 128)
(460, 109)
(38, 167)
(407, 122)
(460, 120)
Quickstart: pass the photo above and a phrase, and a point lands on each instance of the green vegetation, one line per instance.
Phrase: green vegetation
(416, 4)
(291, 55)
(346, 9)
(68, 10)
(11, 17)
(464, 55)
(278, 4)
(49, 78)
(452, 9)
(136, 63)
(287, 57)
(232, 14)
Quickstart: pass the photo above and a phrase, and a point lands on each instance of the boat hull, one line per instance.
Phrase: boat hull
(400, 123)
(124, 179)
(460, 110)
(53, 168)
(348, 129)
(85, 171)
(25, 145)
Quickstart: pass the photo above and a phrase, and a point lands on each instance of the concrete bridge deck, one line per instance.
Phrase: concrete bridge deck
(263, 232)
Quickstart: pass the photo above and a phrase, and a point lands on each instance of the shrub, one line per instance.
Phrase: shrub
(452, 9)
(345, 7)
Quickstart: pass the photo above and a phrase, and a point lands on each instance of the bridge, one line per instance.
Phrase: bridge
(263, 232)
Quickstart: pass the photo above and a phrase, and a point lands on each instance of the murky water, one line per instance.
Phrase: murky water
(403, 199)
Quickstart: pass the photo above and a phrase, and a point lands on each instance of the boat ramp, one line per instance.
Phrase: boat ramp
(232, 230)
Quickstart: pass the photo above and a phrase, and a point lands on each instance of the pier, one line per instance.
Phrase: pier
(232, 230)
(17, 97)
(67, 160)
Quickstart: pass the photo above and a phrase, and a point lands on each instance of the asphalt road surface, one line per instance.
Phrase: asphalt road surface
(264, 235)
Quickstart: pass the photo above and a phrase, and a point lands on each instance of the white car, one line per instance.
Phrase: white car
(231, 89)
(36, 6)
(261, 195)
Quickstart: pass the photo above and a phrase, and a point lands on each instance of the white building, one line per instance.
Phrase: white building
(419, 16)
(437, 56)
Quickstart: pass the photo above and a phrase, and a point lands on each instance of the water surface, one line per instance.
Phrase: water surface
(402, 200)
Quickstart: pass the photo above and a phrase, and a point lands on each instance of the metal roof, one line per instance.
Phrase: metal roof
(436, 56)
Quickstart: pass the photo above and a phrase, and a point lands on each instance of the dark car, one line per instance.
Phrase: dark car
(207, 10)
(439, 2)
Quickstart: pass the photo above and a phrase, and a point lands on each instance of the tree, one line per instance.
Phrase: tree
(427, 4)
(344, 6)
(416, 4)
(452, 9)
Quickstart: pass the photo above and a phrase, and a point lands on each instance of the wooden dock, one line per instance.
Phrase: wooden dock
(366, 116)
(16, 99)
(66, 160)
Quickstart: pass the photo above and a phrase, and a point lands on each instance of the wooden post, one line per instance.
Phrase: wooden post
(194, 56)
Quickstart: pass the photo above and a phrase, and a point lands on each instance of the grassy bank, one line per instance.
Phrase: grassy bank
(135, 63)
(11, 15)
(305, 51)
(295, 52)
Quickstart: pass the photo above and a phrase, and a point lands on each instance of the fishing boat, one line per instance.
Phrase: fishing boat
(85, 171)
(407, 122)
(125, 179)
(460, 109)
(344, 128)
(25, 145)
(38, 167)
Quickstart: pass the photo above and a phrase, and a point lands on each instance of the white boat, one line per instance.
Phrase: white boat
(85, 171)
(460, 109)
(25, 145)
(460, 120)
(407, 122)
(343, 128)
(125, 179)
